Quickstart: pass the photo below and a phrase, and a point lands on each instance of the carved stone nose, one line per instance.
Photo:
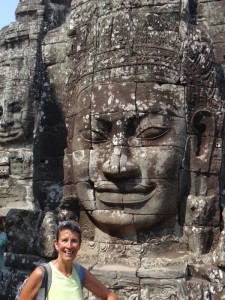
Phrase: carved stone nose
(4, 123)
(120, 166)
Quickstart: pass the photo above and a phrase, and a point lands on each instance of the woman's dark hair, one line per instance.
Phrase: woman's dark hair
(71, 225)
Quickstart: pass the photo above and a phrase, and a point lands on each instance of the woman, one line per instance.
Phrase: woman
(65, 280)
(3, 243)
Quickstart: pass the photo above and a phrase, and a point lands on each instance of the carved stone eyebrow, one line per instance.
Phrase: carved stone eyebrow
(159, 111)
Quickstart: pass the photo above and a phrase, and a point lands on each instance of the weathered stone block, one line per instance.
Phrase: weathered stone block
(47, 194)
(153, 289)
(4, 171)
(169, 272)
(202, 211)
(68, 169)
(81, 159)
(200, 238)
(25, 262)
(212, 12)
(117, 275)
(207, 272)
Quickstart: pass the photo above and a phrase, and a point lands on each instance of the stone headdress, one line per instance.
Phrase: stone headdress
(139, 41)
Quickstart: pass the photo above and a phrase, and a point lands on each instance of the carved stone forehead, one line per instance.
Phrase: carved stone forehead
(14, 91)
(133, 97)
(16, 68)
(17, 65)
(15, 80)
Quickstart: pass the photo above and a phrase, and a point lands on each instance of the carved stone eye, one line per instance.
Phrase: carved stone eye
(93, 136)
(14, 108)
(153, 133)
(1, 111)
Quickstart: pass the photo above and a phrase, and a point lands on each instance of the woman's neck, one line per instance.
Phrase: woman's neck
(64, 267)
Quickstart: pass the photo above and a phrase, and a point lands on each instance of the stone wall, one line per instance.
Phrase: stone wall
(33, 134)
(117, 121)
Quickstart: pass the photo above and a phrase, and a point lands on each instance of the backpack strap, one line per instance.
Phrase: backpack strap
(49, 278)
(46, 281)
(80, 272)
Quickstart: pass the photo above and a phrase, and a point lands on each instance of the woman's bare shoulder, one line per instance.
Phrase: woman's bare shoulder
(38, 272)
(31, 287)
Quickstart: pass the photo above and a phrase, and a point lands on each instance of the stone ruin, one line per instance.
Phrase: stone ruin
(111, 113)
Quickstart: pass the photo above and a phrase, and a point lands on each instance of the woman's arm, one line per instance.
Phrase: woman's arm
(31, 287)
(97, 288)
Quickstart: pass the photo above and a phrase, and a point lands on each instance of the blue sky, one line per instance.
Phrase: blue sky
(7, 11)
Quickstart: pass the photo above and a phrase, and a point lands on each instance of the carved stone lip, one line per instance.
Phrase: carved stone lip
(125, 199)
(127, 195)
(8, 134)
(126, 187)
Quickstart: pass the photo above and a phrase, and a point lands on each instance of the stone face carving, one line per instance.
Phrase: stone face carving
(142, 96)
(18, 54)
(16, 107)
(145, 121)
(31, 141)
(145, 110)
(123, 170)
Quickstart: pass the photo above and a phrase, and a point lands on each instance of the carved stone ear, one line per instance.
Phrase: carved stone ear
(200, 142)
(203, 124)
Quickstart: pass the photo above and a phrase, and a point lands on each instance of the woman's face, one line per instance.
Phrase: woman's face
(67, 245)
